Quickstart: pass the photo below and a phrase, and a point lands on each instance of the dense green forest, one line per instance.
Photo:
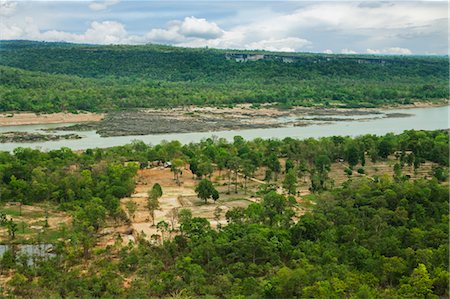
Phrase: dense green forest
(372, 237)
(51, 77)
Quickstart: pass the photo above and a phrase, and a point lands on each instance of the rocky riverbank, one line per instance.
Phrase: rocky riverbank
(205, 119)
(33, 137)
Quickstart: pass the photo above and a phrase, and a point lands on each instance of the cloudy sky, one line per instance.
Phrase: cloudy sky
(396, 27)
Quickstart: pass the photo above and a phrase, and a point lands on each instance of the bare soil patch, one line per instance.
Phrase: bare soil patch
(174, 197)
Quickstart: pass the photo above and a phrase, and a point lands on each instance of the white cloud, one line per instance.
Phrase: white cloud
(328, 51)
(346, 27)
(102, 5)
(201, 28)
(195, 32)
(355, 16)
(289, 44)
(10, 32)
(106, 32)
(7, 8)
(348, 51)
(393, 51)
(190, 30)
(356, 25)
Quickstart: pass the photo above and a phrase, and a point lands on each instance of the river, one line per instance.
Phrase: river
(422, 119)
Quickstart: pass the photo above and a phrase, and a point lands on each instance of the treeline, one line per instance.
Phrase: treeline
(64, 178)
(50, 77)
(307, 158)
(68, 178)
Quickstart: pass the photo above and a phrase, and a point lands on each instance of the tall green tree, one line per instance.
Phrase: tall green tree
(290, 181)
(206, 190)
(154, 194)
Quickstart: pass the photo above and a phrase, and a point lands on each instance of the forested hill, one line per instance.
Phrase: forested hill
(58, 76)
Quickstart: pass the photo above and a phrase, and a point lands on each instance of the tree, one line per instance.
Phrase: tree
(205, 168)
(7, 261)
(273, 164)
(163, 227)
(290, 181)
(248, 170)
(153, 200)
(215, 195)
(397, 170)
(418, 285)
(302, 170)
(319, 174)
(176, 169)
(87, 222)
(205, 190)
(288, 166)
(12, 229)
(234, 165)
(193, 166)
(152, 206)
(131, 207)
(352, 155)
(274, 205)
(385, 147)
(184, 219)
(322, 163)
(217, 215)
(173, 216)
(156, 191)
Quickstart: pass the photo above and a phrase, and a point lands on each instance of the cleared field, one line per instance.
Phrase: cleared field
(176, 197)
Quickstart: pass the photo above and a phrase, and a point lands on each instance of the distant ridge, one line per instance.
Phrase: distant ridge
(54, 76)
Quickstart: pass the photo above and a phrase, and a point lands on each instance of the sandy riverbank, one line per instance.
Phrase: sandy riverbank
(30, 118)
(440, 103)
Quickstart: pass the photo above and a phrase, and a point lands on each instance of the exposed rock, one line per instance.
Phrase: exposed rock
(33, 137)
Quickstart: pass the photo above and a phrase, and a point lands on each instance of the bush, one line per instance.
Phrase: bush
(361, 170)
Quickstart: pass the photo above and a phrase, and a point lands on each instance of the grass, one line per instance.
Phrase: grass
(231, 199)
(11, 211)
(50, 236)
(15, 212)
(30, 217)
(310, 197)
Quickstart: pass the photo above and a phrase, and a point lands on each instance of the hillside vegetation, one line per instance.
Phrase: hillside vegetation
(50, 77)
(371, 237)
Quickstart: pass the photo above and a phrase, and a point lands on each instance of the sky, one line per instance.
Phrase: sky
(370, 27)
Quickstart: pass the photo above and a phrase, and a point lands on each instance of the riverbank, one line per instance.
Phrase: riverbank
(421, 119)
(25, 137)
(420, 104)
(30, 118)
(241, 110)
